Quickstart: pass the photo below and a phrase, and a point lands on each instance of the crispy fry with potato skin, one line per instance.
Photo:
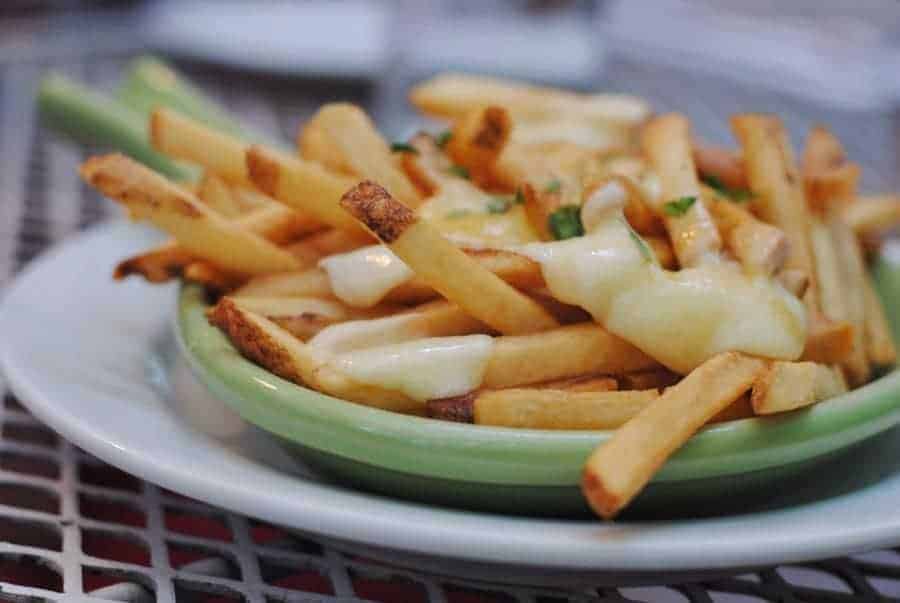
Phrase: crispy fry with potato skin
(149, 196)
(873, 215)
(478, 139)
(828, 177)
(621, 466)
(278, 351)
(666, 141)
(444, 266)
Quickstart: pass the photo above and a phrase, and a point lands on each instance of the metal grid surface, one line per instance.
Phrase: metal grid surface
(75, 529)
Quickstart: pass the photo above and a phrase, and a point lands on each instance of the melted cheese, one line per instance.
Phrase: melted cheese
(423, 369)
(680, 318)
(460, 211)
(362, 278)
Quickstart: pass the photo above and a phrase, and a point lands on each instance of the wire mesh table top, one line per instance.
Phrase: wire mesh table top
(75, 529)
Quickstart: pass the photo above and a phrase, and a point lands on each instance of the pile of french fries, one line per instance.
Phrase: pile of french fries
(266, 230)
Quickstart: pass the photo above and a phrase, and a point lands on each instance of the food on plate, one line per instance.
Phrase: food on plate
(552, 260)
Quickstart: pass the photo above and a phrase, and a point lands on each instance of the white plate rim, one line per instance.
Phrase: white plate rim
(376, 521)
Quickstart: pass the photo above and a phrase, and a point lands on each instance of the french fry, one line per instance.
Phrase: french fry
(452, 95)
(778, 190)
(880, 347)
(213, 191)
(795, 281)
(362, 147)
(873, 215)
(620, 467)
(442, 265)
(250, 199)
(278, 224)
(428, 167)
(277, 350)
(562, 353)
(723, 165)
(828, 177)
(158, 265)
(183, 138)
(785, 386)
(437, 319)
(149, 196)
(853, 279)
(559, 409)
(666, 143)
(761, 248)
(638, 211)
(828, 342)
(584, 383)
(306, 316)
(307, 283)
(302, 185)
(314, 144)
(477, 139)
(211, 277)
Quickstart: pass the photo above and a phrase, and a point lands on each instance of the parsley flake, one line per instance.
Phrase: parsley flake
(565, 222)
(553, 186)
(403, 147)
(458, 170)
(679, 207)
(443, 138)
(498, 205)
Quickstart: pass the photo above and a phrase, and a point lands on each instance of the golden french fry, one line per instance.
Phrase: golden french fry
(561, 353)
(444, 266)
(620, 467)
(666, 141)
(873, 215)
(209, 236)
(437, 319)
(759, 247)
(213, 191)
(362, 147)
(314, 144)
(313, 248)
(452, 95)
(638, 211)
(158, 265)
(723, 165)
(303, 185)
(307, 283)
(278, 351)
(211, 277)
(559, 409)
(795, 281)
(278, 224)
(477, 139)
(785, 386)
(778, 190)
(853, 279)
(880, 346)
(428, 167)
(183, 138)
(828, 341)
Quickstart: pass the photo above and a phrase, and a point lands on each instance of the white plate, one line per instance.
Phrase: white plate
(96, 360)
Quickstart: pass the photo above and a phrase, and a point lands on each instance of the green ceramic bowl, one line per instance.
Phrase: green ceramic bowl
(523, 470)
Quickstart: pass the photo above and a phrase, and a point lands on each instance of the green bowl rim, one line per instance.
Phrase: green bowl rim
(508, 455)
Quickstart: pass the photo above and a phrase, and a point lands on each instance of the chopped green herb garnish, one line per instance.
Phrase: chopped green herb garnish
(443, 138)
(679, 207)
(553, 186)
(565, 222)
(403, 147)
(458, 170)
(498, 205)
(735, 194)
(519, 198)
(458, 213)
(642, 246)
